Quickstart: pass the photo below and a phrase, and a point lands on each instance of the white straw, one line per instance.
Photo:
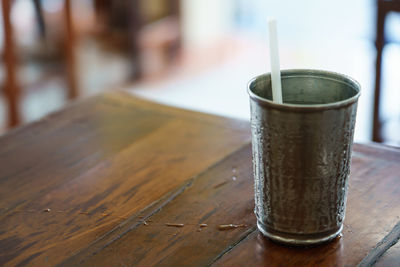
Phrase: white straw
(275, 69)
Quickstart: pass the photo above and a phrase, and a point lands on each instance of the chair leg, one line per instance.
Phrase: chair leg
(135, 22)
(11, 87)
(39, 18)
(380, 42)
(70, 52)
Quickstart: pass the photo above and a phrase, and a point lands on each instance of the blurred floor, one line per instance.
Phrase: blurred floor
(222, 90)
(335, 35)
(98, 70)
(212, 76)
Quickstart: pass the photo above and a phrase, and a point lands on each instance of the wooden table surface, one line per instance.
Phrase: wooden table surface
(97, 183)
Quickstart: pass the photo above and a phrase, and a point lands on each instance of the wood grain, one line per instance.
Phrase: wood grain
(115, 181)
(96, 164)
(390, 258)
(373, 209)
(382, 248)
(212, 198)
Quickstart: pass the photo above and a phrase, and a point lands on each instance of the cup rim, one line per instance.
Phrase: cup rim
(308, 107)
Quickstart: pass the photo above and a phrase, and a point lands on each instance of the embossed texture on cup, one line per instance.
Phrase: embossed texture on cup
(301, 154)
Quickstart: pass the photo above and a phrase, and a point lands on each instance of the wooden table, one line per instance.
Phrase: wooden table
(97, 183)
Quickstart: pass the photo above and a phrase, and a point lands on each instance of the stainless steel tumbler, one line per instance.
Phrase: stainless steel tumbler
(301, 154)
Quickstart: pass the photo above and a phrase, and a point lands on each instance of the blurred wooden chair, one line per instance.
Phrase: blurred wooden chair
(147, 24)
(383, 8)
(12, 89)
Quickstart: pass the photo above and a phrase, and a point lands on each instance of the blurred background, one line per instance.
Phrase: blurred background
(196, 54)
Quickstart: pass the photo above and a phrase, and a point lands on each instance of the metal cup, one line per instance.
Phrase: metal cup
(301, 154)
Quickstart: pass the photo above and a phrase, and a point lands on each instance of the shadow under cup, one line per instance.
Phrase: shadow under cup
(301, 154)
